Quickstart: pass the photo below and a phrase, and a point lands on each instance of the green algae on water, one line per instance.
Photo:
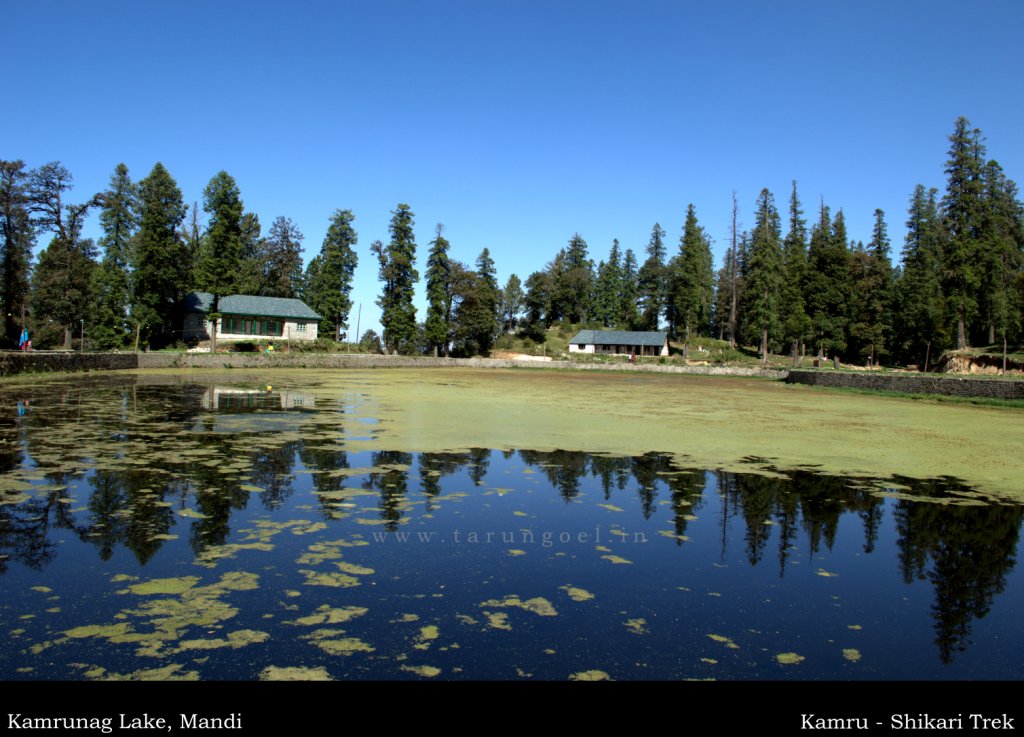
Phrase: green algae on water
(294, 673)
(577, 594)
(590, 675)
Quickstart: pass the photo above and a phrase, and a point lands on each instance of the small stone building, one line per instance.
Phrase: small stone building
(247, 317)
(620, 343)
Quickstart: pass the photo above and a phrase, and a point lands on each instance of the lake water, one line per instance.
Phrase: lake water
(168, 528)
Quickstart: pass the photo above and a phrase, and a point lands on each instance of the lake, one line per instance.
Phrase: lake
(236, 526)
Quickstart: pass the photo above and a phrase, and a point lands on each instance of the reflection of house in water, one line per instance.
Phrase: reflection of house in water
(233, 399)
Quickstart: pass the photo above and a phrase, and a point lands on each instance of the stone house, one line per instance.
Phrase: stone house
(620, 343)
(247, 317)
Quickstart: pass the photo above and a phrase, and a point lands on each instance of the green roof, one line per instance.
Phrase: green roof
(247, 304)
(619, 337)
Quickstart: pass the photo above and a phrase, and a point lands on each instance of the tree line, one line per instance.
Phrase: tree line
(961, 281)
(815, 289)
(154, 250)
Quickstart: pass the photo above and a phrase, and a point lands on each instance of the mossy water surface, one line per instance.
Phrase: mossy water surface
(457, 524)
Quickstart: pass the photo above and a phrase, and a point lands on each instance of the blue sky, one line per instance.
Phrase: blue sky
(515, 123)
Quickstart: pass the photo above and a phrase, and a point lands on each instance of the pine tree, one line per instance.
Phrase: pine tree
(485, 327)
(574, 286)
(398, 273)
(538, 303)
(221, 257)
(158, 255)
(963, 210)
(763, 279)
(252, 270)
(18, 236)
(871, 278)
(61, 289)
(511, 302)
(1003, 248)
(329, 276)
(694, 278)
(652, 280)
(63, 279)
(629, 292)
(282, 259)
(119, 220)
(796, 326)
(607, 297)
(439, 294)
(919, 326)
(827, 284)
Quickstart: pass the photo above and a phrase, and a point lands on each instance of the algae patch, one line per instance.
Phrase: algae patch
(538, 605)
(294, 673)
(577, 594)
(590, 675)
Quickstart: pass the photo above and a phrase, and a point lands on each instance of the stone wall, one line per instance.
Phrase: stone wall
(913, 384)
(340, 361)
(48, 361)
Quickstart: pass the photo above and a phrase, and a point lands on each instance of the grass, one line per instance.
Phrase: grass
(702, 421)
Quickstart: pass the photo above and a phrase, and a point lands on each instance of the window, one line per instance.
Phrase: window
(300, 327)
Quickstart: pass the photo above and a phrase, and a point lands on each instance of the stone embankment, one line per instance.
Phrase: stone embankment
(57, 361)
(945, 385)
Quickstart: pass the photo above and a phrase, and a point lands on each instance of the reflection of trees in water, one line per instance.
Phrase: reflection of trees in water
(435, 466)
(24, 534)
(613, 472)
(391, 483)
(972, 549)
(774, 505)
(966, 553)
(479, 462)
(687, 488)
(272, 469)
(128, 508)
(562, 468)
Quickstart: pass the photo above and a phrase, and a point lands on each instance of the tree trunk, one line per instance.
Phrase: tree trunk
(67, 338)
(1004, 353)
(991, 333)
(764, 346)
(961, 332)
(927, 355)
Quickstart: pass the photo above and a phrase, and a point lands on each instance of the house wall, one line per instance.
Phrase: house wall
(289, 331)
(621, 350)
(196, 327)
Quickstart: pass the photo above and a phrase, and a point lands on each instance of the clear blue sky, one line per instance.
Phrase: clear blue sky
(515, 123)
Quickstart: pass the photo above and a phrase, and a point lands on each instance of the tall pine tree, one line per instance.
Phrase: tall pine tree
(329, 276)
(652, 280)
(398, 273)
(439, 294)
(827, 283)
(119, 220)
(282, 259)
(159, 258)
(919, 324)
(18, 236)
(763, 278)
(963, 211)
(693, 278)
(796, 325)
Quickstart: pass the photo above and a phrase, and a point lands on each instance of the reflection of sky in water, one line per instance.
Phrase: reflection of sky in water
(156, 533)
